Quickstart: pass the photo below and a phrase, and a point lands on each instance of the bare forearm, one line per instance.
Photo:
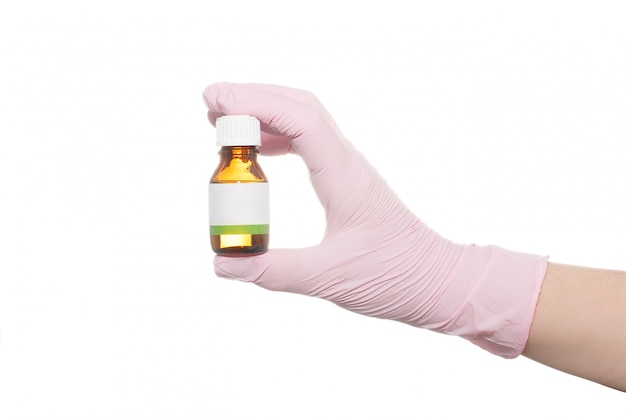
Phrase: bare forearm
(580, 324)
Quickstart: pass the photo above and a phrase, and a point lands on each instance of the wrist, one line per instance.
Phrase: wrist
(496, 293)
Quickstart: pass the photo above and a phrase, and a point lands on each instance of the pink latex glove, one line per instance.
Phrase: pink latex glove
(377, 258)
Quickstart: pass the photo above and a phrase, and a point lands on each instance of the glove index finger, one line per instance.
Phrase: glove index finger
(278, 113)
(306, 126)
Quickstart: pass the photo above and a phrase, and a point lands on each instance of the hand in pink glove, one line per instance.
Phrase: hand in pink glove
(377, 258)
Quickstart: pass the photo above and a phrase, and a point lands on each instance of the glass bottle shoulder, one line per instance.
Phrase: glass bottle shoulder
(238, 164)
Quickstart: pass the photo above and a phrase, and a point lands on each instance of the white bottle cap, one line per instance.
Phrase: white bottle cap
(238, 131)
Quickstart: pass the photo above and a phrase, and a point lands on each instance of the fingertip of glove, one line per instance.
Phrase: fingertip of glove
(211, 92)
(236, 268)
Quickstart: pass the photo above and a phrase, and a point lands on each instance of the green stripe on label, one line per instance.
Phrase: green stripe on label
(243, 229)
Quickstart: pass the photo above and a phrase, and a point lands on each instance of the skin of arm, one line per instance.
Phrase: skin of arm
(579, 325)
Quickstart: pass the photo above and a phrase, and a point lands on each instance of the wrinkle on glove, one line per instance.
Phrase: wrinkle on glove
(376, 257)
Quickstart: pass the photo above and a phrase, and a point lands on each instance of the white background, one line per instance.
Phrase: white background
(496, 122)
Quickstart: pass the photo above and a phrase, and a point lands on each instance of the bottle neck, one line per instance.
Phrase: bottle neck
(242, 152)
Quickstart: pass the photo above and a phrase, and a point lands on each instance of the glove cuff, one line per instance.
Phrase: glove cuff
(500, 304)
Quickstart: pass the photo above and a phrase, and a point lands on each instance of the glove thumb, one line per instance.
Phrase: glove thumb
(276, 269)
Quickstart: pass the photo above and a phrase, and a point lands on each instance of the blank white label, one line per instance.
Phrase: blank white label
(239, 204)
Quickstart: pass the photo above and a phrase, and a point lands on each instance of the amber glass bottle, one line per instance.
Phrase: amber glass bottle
(238, 190)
